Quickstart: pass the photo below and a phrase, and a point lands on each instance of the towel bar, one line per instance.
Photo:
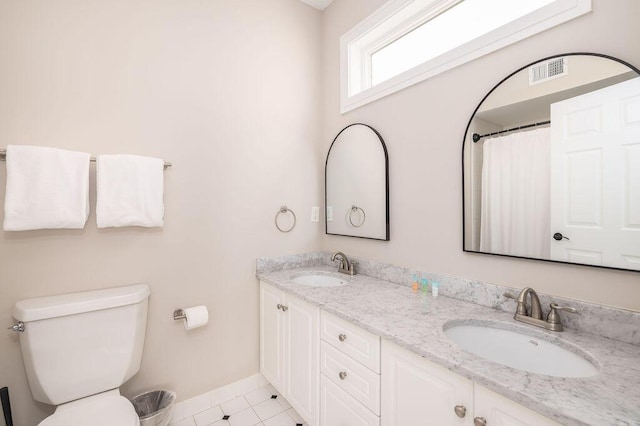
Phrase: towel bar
(3, 157)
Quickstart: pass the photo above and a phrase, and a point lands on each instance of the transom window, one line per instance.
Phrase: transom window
(407, 41)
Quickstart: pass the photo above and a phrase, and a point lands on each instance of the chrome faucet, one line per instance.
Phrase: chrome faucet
(533, 315)
(346, 266)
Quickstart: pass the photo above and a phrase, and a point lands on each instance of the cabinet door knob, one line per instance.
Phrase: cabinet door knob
(342, 337)
(479, 421)
(284, 308)
(279, 306)
(343, 375)
(460, 410)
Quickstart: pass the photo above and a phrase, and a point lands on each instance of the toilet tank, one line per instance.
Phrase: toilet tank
(79, 344)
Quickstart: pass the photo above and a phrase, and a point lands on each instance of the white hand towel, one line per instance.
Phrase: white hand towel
(130, 191)
(47, 188)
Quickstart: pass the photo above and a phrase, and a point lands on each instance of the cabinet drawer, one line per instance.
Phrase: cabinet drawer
(359, 344)
(360, 382)
(338, 408)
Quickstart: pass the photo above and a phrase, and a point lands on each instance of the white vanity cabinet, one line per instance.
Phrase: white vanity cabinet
(336, 374)
(418, 392)
(290, 349)
(350, 374)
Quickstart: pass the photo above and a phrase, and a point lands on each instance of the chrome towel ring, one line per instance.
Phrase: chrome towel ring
(284, 210)
(354, 209)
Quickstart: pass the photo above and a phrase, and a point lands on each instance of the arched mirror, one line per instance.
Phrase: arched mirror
(357, 184)
(551, 164)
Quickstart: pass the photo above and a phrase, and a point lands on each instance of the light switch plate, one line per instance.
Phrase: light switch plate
(315, 214)
(329, 213)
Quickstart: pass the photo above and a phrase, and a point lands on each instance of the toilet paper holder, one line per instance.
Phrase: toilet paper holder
(193, 317)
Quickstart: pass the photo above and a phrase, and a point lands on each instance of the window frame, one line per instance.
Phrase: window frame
(399, 17)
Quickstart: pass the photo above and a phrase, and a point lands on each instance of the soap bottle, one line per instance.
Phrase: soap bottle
(424, 283)
(414, 283)
(434, 288)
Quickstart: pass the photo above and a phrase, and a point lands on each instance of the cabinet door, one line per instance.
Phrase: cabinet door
(417, 392)
(272, 335)
(302, 357)
(500, 411)
(338, 408)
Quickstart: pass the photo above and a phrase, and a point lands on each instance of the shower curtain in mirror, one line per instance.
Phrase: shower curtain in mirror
(515, 194)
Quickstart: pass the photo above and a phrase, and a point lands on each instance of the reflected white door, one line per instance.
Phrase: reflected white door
(595, 177)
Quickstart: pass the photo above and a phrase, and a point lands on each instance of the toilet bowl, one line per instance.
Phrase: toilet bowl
(79, 348)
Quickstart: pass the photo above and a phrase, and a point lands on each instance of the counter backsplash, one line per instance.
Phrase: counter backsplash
(612, 323)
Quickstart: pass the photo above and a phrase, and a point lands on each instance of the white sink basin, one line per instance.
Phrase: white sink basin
(521, 349)
(319, 279)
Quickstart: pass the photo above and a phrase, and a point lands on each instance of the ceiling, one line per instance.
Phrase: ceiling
(318, 4)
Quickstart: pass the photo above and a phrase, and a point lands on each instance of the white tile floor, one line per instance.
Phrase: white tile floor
(257, 407)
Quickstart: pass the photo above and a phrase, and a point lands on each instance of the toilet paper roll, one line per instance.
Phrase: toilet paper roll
(196, 316)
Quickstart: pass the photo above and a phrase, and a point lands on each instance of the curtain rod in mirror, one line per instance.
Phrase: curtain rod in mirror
(477, 137)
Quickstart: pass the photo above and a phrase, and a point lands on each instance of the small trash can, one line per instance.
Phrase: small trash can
(154, 408)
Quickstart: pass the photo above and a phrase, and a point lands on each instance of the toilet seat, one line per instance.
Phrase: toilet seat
(104, 409)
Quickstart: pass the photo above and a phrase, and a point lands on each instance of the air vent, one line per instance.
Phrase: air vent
(548, 70)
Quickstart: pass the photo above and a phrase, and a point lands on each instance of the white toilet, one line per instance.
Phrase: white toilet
(79, 348)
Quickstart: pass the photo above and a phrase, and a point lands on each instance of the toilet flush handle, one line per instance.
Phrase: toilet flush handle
(19, 327)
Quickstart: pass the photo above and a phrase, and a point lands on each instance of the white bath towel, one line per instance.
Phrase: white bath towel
(130, 191)
(47, 188)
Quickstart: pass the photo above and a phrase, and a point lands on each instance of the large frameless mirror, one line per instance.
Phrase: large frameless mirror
(551, 164)
(357, 184)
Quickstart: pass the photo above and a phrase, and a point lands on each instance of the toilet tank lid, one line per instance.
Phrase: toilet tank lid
(40, 308)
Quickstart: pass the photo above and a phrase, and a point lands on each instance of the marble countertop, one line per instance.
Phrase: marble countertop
(415, 321)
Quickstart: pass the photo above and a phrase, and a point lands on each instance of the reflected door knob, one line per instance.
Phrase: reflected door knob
(558, 236)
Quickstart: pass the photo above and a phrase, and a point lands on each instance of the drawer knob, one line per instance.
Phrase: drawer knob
(479, 421)
(342, 337)
(279, 306)
(460, 410)
(343, 375)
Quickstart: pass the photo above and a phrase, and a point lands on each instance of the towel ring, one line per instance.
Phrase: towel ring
(284, 210)
(354, 209)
